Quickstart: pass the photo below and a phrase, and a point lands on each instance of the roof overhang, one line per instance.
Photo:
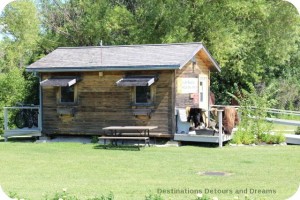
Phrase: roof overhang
(136, 81)
(103, 68)
(214, 66)
(58, 82)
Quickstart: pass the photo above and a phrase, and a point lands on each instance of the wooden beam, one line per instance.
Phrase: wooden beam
(220, 128)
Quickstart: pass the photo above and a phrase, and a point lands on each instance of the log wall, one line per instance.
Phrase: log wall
(100, 103)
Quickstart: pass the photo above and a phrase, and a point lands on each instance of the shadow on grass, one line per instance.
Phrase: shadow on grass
(120, 148)
(19, 139)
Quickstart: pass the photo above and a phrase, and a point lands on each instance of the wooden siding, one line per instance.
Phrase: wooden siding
(101, 103)
(190, 71)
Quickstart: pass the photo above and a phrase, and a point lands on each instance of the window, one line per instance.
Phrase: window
(67, 94)
(201, 90)
(143, 95)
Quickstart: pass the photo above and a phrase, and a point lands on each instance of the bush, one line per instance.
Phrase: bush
(64, 195)
(94, 139)
(271, 138)
(154, 197)
(254, 104)
(297, 131)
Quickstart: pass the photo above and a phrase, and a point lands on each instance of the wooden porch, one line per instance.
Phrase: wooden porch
(204, 134)
(10, 128)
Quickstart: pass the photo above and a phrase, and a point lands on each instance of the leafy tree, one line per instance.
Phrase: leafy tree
(12, 89)
(247, 39)
(20, 29)
(21, 34)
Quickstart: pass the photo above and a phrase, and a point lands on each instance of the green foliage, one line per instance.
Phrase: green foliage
(20, 37)
(288, 99)
(21, 34)
(61, 195)
(270, 138)
(297, 131)
(202, 197)
(253, 113)
(154, 197)
(12, 90)
(94, 139)
(64, 195)
(246, 38)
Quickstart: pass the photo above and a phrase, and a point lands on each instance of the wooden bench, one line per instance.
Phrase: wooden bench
(116, 138)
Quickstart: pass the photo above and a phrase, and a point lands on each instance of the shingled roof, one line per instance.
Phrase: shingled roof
(122, 58)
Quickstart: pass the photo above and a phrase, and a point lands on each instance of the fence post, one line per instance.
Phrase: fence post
(5, 119)
(220, 128)
(5, 122)
(39, 119)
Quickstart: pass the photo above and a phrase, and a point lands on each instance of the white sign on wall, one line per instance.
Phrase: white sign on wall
(187, 85)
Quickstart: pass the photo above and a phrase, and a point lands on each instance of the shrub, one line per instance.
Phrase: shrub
(254, 104)
(94, 139)
(297, 131)
(154, 197)
(109, 197)
(280, 138)
(271, 138)
(66, 196)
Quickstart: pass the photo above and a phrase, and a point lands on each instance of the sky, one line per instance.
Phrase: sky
(3, 3)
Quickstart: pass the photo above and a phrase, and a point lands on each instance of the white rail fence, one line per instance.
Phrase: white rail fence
(29, 127)
(278, 120)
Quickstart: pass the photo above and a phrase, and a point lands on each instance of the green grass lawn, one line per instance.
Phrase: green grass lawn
(31, 170)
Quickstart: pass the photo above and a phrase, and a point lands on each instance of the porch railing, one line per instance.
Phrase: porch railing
(10, 128)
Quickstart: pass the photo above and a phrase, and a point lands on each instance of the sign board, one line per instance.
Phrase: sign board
(187, 85)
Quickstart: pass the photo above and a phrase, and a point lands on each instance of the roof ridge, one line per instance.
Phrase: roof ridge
(134, 45)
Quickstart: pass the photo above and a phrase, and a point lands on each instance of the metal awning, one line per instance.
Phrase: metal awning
(58, 82)
(136, 81)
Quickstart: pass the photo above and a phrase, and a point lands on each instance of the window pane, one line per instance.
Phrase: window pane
(143, 94)
(67, 94)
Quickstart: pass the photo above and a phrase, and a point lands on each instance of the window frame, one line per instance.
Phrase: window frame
(59, 96)
(152, 96)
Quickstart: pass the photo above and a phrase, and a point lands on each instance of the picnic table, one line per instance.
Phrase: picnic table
(117, 131)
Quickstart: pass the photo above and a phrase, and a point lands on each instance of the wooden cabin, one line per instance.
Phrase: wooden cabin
(84, 89)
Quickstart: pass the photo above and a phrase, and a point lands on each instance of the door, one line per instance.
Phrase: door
(203, 93)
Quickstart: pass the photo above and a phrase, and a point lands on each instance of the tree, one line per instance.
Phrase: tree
(20, 26)
(21, 34)
(247, 39)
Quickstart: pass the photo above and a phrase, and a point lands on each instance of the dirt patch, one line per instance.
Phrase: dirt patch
(211, 173)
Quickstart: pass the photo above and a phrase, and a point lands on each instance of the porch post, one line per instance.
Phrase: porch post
(5, 122)
(40, 116)
(5, 119)
(220, 127)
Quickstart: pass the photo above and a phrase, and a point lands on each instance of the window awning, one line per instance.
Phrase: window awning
(137, 81)
(58, 82)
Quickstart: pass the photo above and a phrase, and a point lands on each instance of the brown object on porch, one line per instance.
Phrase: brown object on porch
(230, 119)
